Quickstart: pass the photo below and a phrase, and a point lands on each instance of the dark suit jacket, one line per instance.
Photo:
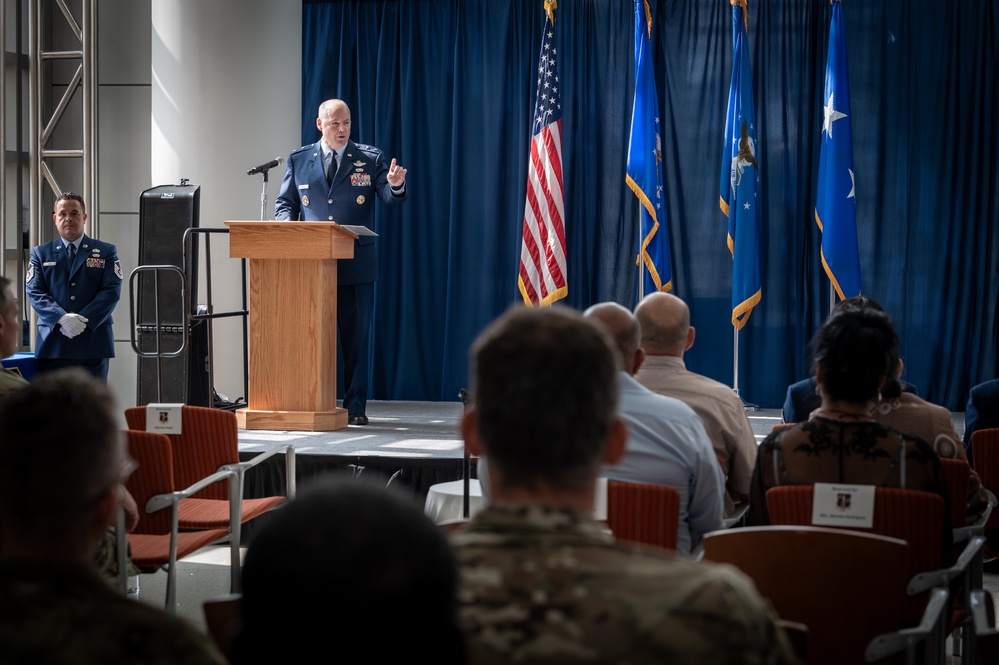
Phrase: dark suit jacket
(982, 411)
(349, 200)
(801, 399)
(91, 287)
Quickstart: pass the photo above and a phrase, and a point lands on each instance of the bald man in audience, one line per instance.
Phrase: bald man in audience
(666, 335)
(667, 444)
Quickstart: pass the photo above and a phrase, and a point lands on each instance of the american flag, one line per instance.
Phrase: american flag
(542, 254)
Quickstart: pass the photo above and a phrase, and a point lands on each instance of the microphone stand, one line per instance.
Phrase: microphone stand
(263, 194)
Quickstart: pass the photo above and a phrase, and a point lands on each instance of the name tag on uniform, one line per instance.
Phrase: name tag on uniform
(305, 186)
(834, 504)
(49, 263)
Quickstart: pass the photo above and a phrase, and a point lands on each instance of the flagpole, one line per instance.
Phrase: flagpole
(748, 406)
(739, 187)
(735, 364)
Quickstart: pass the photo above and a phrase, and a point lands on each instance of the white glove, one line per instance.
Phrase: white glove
(72, 325)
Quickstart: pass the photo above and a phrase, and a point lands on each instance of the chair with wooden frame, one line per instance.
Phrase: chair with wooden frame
(917, 518)
(641, 513)
(157, 540)
(847, 587)
(209, 442)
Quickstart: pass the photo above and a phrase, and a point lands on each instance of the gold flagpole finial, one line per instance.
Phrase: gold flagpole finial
(550, 6)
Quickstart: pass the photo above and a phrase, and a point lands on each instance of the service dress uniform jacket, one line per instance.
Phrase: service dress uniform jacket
(91, 287)
(349, 200)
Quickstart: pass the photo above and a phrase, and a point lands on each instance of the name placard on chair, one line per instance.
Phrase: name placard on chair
(164, 418)
(600, 501)
(843, 505)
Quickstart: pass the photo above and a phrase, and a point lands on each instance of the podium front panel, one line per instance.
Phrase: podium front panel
(292, 349)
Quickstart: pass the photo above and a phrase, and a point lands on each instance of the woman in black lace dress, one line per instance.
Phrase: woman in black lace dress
(855, 353)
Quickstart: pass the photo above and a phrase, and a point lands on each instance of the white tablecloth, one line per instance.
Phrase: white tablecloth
(445, 501)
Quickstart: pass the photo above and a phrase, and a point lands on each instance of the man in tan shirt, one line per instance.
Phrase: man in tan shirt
(666, 335)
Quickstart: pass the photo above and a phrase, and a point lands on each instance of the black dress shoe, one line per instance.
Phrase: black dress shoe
(357, 419)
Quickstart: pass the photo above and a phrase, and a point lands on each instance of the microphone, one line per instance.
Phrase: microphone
(266, 166)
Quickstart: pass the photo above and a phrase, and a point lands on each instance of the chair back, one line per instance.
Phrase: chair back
(209, 439)
(985, 456)
(640, 513)
(224, 620)
(847, 587)
(957, 474)
(154, 475)
(913, 516)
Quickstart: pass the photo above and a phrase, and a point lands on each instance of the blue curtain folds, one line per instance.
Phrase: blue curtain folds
(447, 87)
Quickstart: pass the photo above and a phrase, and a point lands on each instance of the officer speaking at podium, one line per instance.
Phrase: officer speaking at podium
(336, 180)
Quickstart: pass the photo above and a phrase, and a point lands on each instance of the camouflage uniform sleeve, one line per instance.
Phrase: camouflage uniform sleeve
(745, 621)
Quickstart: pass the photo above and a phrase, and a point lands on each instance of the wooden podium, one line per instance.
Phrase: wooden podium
(292, 322)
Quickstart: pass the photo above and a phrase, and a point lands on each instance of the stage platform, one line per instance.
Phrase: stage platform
(415, 444)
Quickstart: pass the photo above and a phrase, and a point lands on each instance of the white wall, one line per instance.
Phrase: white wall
(203, 90)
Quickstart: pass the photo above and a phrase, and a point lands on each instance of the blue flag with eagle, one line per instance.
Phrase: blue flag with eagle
(835, 205)
(644, 171)
(740, 181)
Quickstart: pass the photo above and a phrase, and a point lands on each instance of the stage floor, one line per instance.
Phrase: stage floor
(429, 430)
(395, 429)
(416, 443)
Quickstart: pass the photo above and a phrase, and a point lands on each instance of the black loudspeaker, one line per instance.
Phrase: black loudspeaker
(165, 214)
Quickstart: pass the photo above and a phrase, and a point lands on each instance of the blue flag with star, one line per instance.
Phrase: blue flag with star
(739, 184)
(644, 171)
(835, 205)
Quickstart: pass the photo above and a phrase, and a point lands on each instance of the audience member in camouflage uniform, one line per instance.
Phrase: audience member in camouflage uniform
(541, 581)
(61, 463)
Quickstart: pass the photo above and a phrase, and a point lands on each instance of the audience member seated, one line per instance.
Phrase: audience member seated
(855, 354)
(10, 330)
(667, 444)
(349, 572)
(932, 423)
(982, 411)
(62, 459)
(666, 334)
(802, 397)
(541, 581)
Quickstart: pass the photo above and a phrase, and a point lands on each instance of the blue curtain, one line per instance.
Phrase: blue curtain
(446, 87)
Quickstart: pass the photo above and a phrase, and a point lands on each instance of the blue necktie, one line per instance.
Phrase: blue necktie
(331, 171)
(72, 253)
